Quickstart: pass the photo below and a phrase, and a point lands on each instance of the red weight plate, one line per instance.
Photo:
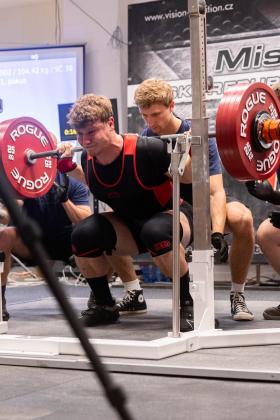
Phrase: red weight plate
(234, 162)
(235, 140)
(17, 137)
(258, 164)
(224, 128)
(221, 130)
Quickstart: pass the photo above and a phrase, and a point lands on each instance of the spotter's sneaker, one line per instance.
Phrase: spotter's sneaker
(272, 313)
(239, 310)
(99, 315)
(133, 302)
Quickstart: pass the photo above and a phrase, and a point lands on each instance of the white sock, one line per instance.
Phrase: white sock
(132, 285)
(237, 287)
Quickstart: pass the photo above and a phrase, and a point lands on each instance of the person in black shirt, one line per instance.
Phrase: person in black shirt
(130, 174)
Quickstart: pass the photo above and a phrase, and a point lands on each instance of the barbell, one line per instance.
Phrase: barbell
(18, 137)
(28, 156)
(247, 133)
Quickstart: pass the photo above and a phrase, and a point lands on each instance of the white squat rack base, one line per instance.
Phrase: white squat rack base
(148, 350)
(66, 352)
(3, 326)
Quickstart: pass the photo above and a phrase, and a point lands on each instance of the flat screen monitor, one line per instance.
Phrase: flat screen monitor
(42, 82)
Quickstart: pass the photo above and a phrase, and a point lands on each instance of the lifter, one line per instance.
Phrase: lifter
(130, 174)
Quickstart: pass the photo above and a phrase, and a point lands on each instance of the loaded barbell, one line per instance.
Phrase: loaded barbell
(17, 138)
(27, 152)
(247, 133)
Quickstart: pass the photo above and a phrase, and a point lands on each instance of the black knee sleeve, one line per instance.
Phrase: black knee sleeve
(93, 236)
(156, 234)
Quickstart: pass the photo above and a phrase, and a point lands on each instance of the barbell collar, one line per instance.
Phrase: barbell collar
(270, 130)
(259, 142)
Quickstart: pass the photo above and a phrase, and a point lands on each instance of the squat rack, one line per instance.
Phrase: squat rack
(201, 269)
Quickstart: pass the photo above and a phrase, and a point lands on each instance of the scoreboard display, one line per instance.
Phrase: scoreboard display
(66, 132)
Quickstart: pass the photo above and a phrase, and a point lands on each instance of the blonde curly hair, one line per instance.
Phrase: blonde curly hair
(152, 91)
(90, 108)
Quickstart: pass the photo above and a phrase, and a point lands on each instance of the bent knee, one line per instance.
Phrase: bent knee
(240, 219)
(156, 234)
(93, 236)
(8, 236)
(267, 233)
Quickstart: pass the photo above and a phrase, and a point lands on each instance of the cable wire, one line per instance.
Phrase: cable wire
(115, 37)
(57, 22)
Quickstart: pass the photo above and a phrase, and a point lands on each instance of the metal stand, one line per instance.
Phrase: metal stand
(179, 152)
(202, 288)
(202, 267)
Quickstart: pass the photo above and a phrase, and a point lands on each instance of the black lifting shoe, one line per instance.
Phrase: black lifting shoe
(92, 301)
(186, 317)
(99, 315)
(5, 313)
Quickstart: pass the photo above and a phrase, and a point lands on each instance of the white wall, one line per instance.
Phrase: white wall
(106, 61)
(33, 22)
(103, 71)
(26, 23)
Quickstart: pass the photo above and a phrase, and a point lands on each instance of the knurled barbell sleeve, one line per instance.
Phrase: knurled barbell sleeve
(55, 152)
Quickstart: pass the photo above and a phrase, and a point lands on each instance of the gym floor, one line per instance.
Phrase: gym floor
(58, 393)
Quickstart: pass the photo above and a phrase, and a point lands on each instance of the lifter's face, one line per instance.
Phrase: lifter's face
(157, 117)
(95, 137)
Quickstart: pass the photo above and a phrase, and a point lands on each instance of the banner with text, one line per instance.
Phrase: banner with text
(243, 45)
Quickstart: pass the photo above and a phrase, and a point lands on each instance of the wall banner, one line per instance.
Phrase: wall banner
(243, 45)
